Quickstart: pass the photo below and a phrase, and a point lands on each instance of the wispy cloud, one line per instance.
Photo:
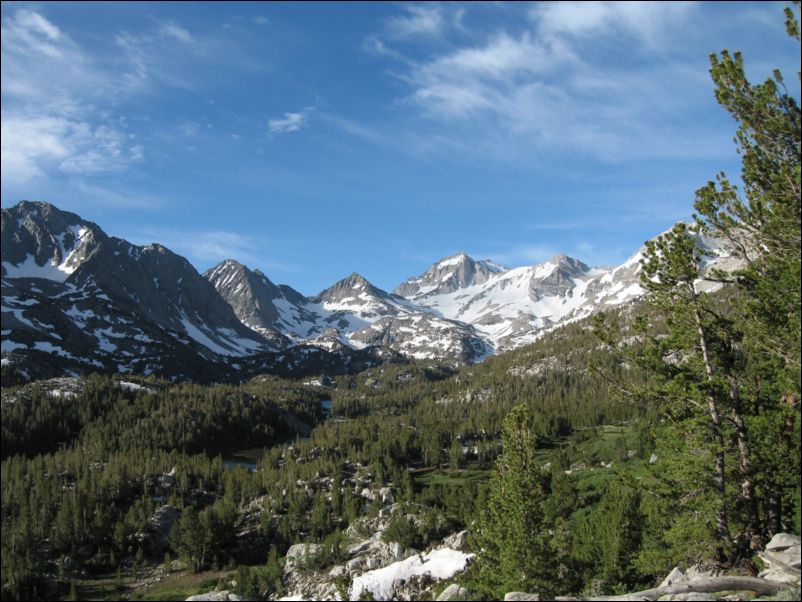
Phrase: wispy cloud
(49, 122)
(373, 44)
(418, 20)
(171, 29)
(155, 58)
(647, 21)
(117, 194)
(535, 88)
(490, 77)
(205, 248)
(355, 129)
(291, 122)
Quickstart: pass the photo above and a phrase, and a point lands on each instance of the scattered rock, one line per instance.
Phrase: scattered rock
(355, 565)
(167, 480)
(455, 592)
(360, 548)
(653, 459)
(396, 551)
(784, 542)
(520, 596)
(157, 537)
(677, 575)
(300, 553)
(457, 541)
(690, 596)
(386, 495)
(783, 559)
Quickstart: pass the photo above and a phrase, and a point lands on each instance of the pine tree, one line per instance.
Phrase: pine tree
(191, 539)
(618, 535)
(686, 360)
(738, 352)
(272, 573)
(762, 225)
(512, 539)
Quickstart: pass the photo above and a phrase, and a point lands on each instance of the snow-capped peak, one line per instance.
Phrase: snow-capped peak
(448, 275)
(353, 285)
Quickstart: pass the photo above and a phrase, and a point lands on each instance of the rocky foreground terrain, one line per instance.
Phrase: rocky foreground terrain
(388, 571)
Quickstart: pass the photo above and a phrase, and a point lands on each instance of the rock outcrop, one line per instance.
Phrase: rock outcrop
(782, 559)
(385, 569)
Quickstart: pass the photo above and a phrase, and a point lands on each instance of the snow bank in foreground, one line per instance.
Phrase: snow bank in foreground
(442, 563)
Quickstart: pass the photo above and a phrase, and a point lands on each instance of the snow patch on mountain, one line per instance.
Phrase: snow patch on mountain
(442, 563)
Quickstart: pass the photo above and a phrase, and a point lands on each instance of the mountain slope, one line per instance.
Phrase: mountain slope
(449, 275)
(74, 292)
(512, 307)
(351, 313)
(76, 299)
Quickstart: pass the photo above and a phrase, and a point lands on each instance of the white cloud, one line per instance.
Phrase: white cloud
(419, 20)
(291, 122)
(375, 45)
(488, 77)
(502, 57)
(171, 29)
(48, 124)
(648, 21)
(31, 146)
(540, 89)
(155, 58)
(60, 110)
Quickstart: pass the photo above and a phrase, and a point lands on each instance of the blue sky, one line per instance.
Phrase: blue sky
(312, 140)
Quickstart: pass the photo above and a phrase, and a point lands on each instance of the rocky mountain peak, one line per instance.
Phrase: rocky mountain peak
(230, 264)
(249, 292)
(353, 285)
(448, 275)
(569, 264)
(455, 259)
(556, 277)
(41, 241)
(226, 268)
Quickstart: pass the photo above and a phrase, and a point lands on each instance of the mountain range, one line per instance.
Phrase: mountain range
(75, 300)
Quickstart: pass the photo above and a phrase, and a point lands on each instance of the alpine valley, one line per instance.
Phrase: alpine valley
(75, 300)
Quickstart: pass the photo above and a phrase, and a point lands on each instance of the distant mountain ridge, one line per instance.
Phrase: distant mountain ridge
(74, 294)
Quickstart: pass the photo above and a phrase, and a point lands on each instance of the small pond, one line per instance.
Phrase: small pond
(247, 458)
